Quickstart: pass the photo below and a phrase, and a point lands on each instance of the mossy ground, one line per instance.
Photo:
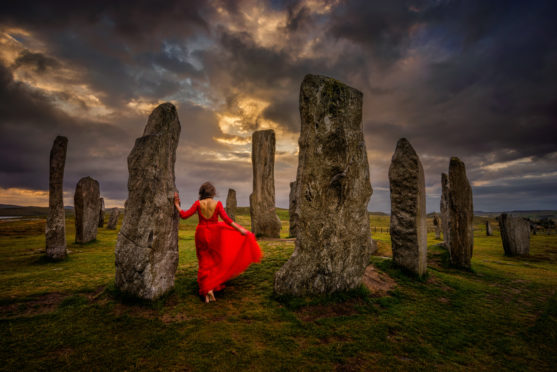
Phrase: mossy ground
(68, 316)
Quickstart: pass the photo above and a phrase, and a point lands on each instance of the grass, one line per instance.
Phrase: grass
(68, 316)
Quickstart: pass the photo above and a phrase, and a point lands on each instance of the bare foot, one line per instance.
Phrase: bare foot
(211, 295)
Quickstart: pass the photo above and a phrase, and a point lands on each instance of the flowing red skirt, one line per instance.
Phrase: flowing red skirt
(222, 253)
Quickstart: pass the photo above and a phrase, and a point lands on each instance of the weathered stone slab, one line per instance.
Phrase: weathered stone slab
(55, 231)
(292, 214)
(333, 238)
(87, 206)
(444, 209)
(488, 229)
(461, 214)
(264, 219)
(437, 227)
(515, 234)
(113, 219)
(231, 204)
(147, 245)
(101, 213)
(408, 212)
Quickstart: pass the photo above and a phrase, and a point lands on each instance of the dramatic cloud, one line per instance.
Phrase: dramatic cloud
(467, 78)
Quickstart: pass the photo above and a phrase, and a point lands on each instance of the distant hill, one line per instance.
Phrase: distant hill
(16, 210)
(534, 214)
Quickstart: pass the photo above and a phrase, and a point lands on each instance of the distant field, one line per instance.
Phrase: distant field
(68, 315)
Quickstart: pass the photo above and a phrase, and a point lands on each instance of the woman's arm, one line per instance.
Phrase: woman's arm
(228, 220)
(184, 214)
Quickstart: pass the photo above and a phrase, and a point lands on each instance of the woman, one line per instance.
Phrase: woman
(222, 252)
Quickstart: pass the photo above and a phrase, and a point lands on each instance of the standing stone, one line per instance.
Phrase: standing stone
(101, 213)
(55, 231)
(87, 206)
(408, 217)
(461, 214)
(264, 219)
(444, 208)
(147, 245)
(436, 225)
(332, 190)
(231, 204)
(292, 214)
(515, 234)
(113, 219)
(488, 229)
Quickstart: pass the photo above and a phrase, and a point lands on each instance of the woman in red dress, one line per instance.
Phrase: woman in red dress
(224, 250)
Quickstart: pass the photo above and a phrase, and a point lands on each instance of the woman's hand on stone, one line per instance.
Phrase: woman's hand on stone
(176, 199)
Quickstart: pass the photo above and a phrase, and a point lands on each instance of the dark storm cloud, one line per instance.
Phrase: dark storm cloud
(29, 125)
(38, 61)
(468, 78)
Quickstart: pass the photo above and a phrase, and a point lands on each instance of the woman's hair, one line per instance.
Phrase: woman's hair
(207, 190)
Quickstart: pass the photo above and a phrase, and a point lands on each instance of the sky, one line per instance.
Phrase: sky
(474, 79)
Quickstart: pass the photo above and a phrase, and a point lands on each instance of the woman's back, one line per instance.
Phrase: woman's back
(207, 208)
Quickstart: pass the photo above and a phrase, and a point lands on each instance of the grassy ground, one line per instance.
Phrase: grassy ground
(68, 316)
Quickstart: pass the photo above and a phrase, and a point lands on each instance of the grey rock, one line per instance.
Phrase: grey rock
(515, 234)
(55, 231)
(231, 204)
(408, 217)
(113, 219)
(333, 237)
(264, 219)
(488, 229)
(101, 213)
(444, 209)
(87, 206)
(461, 214)
(147, 245)
(292, 214)
(437, 226)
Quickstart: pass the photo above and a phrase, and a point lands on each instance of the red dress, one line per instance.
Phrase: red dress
(222, 251)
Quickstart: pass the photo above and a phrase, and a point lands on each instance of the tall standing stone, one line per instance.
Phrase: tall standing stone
(55, 232)
(113, 219)
(515, 234)
(101, 213)
(437, 227)
(87, 206)
(461, 214)
(488, 229)
(292, 214)
(333, 237)
(231, 204)
(444, 209)
(264, 219)
(147, 245)
(408, 217)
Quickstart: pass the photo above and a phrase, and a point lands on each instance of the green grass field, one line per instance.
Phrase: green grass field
(68, 315)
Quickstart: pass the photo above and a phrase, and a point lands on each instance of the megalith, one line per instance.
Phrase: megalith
(147, 244)
(332, 190)
(86, 206)
(444, 209)
(488, 229)
(55, 231)
(264, 219)
(408, 217)
(515, 234)
(461, 214)
(101, 213)
(113, 219)
(292, 214)
(437, 227)
(231, 204)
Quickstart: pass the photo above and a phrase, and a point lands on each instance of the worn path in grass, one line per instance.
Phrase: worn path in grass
(67, 315)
